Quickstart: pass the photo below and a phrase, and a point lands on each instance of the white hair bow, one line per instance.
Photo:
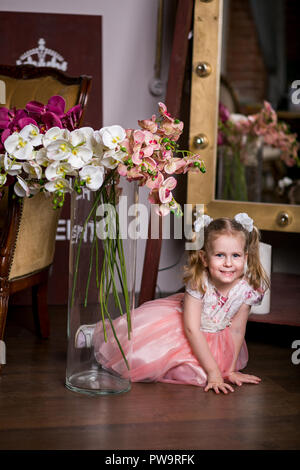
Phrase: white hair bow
(201, 222)
(242, 218)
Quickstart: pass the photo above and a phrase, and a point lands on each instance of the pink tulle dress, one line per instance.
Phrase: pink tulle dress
(160, 349)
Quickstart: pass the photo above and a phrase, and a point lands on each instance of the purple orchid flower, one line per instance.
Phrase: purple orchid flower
(50, 119)
(4, 118)
(56, 105)
(25, 121)
(72, 117)
(224, 113)
(43, 116)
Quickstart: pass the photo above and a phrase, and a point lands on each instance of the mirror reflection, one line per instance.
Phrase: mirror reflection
(259, 103)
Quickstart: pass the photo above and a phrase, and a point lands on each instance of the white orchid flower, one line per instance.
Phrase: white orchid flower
(72, 150)
(80, 155)
(12, 167)
(93, 176)
(284, 182)
(94, 142)
(60, 184)
(111, 158)
(18, 147)
(59, 169)
(21, 188)
(112, 136)
(34, 188)
(21, 144)
(78, 137)
(41, 157)
(53, 134)
(59, 150)
(31, 133)
(3, 179)
(235, 118)
(33, 169)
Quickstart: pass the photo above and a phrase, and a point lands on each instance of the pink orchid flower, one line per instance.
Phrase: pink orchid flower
(153, 197)
(175, 165)
(155, 182)
(122, 169)
(165, 190)
(135, 173)
(164, 112)
(172, 130)
(138, 137)
(149, 124)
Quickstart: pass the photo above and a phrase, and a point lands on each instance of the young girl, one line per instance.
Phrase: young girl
(197, 337)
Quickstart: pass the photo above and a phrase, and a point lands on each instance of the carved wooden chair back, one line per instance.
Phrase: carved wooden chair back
(28, 228)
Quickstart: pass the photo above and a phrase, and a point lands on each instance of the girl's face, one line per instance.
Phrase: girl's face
(225, 259)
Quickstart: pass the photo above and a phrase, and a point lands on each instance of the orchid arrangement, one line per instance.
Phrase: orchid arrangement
(43, 150)
(240, 136)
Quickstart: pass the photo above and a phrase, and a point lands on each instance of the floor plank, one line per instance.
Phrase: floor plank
(37, 412)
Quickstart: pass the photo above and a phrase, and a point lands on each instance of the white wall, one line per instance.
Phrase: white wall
(129, 36)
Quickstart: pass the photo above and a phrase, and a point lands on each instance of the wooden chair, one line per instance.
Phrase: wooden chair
(28, 229)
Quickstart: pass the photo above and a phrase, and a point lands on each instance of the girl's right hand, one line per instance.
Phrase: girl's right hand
(217, 384)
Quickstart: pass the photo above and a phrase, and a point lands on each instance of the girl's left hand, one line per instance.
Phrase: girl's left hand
(238, 378)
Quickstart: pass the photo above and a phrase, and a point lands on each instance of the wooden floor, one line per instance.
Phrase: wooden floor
(38, 412)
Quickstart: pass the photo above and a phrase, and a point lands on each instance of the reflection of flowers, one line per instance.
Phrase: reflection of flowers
(239, 139)
(238, 130)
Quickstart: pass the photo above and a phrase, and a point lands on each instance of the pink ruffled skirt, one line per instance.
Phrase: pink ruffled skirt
(160, 351)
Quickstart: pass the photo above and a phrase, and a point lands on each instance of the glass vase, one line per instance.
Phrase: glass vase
(231, 180)
(239, 173)
(101, 289)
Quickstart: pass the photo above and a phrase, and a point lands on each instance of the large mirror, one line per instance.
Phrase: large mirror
(245, 54)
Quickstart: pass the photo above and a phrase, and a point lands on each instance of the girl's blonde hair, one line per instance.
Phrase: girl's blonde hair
(195, 271)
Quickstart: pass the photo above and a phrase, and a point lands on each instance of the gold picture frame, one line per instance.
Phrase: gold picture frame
(205, 82)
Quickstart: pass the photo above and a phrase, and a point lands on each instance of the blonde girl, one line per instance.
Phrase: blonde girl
(197, 337)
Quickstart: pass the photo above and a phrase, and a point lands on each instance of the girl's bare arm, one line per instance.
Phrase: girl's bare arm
(198, 343)
(238, 330)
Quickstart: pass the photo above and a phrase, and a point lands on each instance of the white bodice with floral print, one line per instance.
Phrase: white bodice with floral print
(217, 310)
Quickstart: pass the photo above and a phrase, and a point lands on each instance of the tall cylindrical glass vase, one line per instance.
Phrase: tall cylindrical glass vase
(101, 289)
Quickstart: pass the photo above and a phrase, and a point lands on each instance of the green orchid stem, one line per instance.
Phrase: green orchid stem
(82, 235)
(185, 152)
(90, 269)
(110, 267)
(122, 262)
(102, 302)
(79, 247)
(120, 251)
(113, 258)
(96, 251)
(114, 333)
